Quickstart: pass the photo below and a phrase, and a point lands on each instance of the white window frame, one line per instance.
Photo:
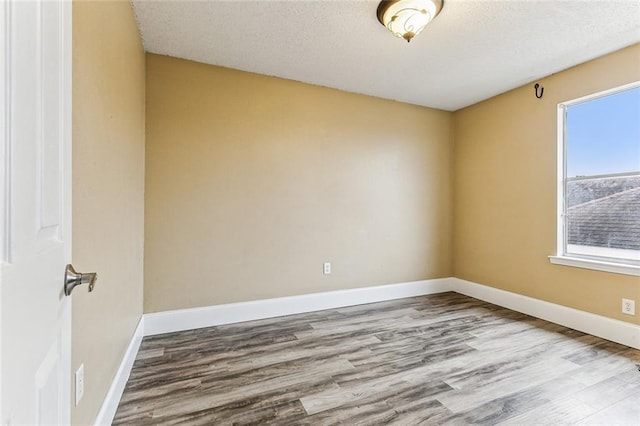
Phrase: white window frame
(597, 261)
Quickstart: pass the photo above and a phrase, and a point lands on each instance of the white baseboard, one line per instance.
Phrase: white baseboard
(111, 401)
(187, 319)
(611, 329)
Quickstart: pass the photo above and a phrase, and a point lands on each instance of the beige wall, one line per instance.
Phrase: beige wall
(505, 192)
(252, 182)
(108, 191)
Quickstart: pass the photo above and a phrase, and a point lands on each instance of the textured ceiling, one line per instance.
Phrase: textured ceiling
(473, 50)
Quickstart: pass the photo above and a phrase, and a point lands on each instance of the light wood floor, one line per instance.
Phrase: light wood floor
(439, 359)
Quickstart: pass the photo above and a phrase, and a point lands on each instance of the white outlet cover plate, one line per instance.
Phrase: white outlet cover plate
(79, 383)
(628, 306)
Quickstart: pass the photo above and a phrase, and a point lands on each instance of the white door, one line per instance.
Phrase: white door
(35, 184)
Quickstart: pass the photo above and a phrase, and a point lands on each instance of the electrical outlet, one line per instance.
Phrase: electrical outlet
(628, 306)
(79, 383)
(326, 268)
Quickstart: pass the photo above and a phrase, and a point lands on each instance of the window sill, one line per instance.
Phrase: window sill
(598, 265)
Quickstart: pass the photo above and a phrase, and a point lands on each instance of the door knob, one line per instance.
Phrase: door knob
(73, 279)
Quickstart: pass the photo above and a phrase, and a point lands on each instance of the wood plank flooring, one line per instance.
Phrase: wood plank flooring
(438, 359)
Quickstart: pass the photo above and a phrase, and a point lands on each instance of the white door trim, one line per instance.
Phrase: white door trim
(4, 154)
(5, 125)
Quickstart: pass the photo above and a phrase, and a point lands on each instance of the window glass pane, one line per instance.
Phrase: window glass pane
(602, 140)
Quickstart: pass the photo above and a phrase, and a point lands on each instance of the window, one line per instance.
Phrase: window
(599, 181)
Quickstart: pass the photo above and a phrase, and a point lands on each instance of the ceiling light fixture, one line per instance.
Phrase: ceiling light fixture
(406, 18)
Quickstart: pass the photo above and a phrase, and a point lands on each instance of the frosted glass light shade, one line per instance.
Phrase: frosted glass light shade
(407, 18)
